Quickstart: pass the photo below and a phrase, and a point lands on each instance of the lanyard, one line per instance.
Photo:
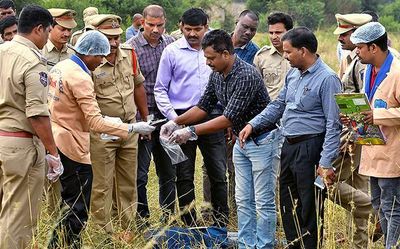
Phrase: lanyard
(379, 78)
(80, 63)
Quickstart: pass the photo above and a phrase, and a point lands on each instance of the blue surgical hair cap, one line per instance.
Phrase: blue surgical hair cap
(92, 43)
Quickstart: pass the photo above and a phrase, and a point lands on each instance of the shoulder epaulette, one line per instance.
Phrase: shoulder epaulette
(41, 58)
(264, 49)
(126, 46)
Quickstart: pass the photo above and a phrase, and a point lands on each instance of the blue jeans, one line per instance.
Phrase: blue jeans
(255, 176)
(385, 194)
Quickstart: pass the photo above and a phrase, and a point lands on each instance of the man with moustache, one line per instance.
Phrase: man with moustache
(149, 45)
(245, 30)
(7, 8)
(118, 83)
(181, 79)
(56, 48)
(310, 120)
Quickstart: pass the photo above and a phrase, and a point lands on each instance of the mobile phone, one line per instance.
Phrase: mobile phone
(319, 182)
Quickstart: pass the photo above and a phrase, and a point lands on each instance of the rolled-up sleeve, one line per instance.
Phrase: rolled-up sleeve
(330, 148)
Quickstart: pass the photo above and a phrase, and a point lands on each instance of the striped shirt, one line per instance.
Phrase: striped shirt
(149, 60)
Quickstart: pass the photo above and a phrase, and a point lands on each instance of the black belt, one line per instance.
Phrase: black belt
(301, 138)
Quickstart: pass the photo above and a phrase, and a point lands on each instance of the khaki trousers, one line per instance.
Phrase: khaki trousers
(114, 165)
(351, 192)
(22, 167)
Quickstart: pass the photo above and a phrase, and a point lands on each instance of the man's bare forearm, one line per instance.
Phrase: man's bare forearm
(42, 126)
(141, 101)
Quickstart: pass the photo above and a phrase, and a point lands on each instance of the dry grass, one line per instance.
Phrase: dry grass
(336, 218)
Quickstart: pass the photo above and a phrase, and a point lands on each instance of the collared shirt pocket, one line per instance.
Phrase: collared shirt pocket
(104, 85)
(309, 100)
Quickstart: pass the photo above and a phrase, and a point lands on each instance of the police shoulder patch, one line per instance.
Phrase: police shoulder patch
(43, 78)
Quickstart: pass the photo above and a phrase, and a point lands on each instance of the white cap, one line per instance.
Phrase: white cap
(367, 33)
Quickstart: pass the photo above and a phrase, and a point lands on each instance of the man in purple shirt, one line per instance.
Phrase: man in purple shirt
(149, 45)
(181, 80)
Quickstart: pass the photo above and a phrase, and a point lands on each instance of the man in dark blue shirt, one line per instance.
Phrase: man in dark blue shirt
(245, 30)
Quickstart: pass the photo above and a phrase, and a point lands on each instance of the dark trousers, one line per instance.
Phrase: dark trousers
(212, 147)
(76, 183)
(166, 177)
(297, 191)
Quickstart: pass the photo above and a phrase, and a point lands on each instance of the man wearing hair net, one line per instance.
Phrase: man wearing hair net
(380, 162)
(74, 112)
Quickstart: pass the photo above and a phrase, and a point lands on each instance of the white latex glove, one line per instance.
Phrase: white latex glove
(142, 128)
(56, 168)
(181, 136)
(168, 128)
(104, 136)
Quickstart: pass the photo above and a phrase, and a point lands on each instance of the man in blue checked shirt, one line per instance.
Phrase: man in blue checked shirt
(310, 120)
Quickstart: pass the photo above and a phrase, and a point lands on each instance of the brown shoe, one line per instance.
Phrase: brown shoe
(378, 232)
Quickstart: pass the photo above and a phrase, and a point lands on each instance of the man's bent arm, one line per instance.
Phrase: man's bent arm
(191, 116)
(216, 124)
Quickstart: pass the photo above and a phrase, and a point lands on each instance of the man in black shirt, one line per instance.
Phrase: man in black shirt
(239, 88)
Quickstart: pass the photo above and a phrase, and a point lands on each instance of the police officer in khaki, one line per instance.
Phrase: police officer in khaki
(56, 48)
(351, 189)
(88, 13)
(25, 129)
(269, 59)
(118, 85)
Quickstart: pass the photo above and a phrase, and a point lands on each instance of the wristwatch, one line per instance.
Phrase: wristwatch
(193, 131)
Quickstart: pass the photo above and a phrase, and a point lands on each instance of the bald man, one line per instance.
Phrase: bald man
(133, 30)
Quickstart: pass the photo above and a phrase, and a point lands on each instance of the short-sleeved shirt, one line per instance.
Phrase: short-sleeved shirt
(53, 55)
(115, 84)
(247, 52)
(273, 68)
(242, 94)
(149, 60)
(75, 112)
(24, 85)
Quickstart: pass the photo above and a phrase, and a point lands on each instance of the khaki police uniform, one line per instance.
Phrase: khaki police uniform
(23, 94)
(88, 13)
(115, 162)
(273, 68)
(64, 18)
(351, 189)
